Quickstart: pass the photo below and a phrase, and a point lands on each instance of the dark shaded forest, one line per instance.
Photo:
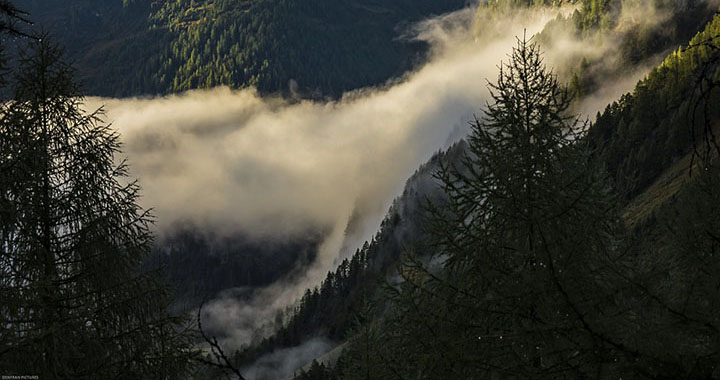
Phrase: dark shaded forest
(649, 147)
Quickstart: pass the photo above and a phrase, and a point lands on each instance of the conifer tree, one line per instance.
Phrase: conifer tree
(362, 359)
(526, 241)
(74, 301)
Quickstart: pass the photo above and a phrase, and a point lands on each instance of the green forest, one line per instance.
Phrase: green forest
(325, 47)
(542, 245)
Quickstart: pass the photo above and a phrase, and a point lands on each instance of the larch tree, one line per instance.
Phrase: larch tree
(74, 300)
(526, 245)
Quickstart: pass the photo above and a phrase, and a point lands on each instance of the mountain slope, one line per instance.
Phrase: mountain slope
(315, 48)
(642, 138)
(665, 274)
(645, 132)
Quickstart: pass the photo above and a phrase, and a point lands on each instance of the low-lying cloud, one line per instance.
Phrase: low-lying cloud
(234, 161)
(230, 160)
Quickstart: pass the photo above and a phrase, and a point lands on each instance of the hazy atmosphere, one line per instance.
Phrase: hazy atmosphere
(232, 160)
(376, 190)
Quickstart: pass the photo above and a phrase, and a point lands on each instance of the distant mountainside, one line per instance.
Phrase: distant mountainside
(315, 48)
(200, 264)
(645, 140)
(109, 42)
(321, 48)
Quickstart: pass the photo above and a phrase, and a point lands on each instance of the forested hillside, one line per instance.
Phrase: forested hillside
(109, 42)
(331, 308)
(312, 49)
(540, 246)
(199, 264)
(318, 48)
(646, 133)
(483, 311)
(641, 33)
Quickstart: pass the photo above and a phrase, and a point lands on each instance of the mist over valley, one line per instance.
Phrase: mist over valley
(359, 189)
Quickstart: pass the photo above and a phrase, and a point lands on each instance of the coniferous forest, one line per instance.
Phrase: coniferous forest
(554, 216)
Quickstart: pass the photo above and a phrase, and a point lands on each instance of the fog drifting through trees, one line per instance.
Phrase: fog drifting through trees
(232, 161)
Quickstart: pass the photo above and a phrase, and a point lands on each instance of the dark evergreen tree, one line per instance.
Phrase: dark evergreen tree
(526, 246)
(316, 371)
(363, 359)
(74, 302)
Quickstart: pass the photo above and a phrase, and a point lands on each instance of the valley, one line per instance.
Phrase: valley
(330, 198)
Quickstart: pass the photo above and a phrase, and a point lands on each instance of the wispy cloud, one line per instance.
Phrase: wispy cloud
(234, 161)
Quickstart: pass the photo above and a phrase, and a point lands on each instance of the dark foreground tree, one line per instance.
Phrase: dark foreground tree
(524, 249)
(534, 275)
(74, 302)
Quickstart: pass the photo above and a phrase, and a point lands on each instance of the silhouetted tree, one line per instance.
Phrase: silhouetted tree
(74, 302)
(523, 248)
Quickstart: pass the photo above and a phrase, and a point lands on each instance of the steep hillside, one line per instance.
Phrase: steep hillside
(653, 294)
(330, 309)
(627, 35)
(313, 48)
(109, 41)
(648, 130)
(644, 138)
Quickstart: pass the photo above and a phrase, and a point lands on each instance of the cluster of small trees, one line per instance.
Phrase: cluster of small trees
(74, 301)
